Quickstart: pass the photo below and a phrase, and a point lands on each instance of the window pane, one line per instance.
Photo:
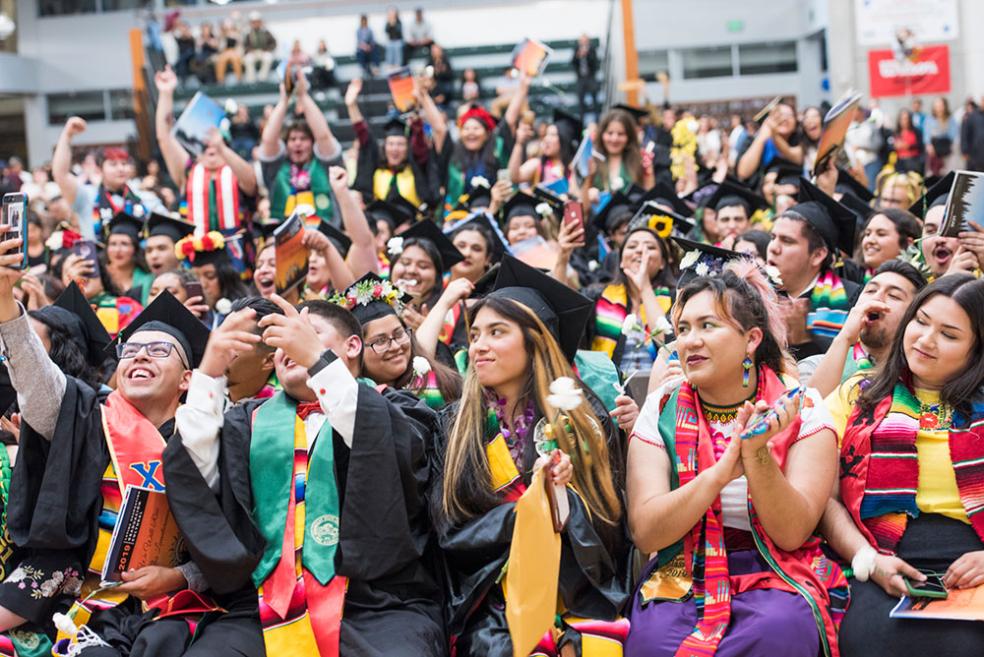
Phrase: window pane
(707, 62)
(653, 61)
(120, 104)
(87, 104)
(62, 7)
(759, 58)
(118, 5)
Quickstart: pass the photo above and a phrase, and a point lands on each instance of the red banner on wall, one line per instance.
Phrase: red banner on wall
(927, 71)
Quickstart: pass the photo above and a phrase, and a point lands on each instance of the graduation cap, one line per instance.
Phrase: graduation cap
(833, 221)
(168, 315)
(569, 129)
(637, 113)
(617, 211)
(266, 230)
(729, 195)
(522, 204)
(395, 127)
(664, 194)
(126, 224)
(660, 220)
(168, 225)
(396, 211)
(702, 259)
(701, 195)
(786, 172)
(486, 283)
(478, 194)
(564, 311)
(71, 310)
(428, 231)
(935, 195)
(483, 221)
(849, 185)
(551, 198)
(341, 241)
(858, 207)
(371, 298)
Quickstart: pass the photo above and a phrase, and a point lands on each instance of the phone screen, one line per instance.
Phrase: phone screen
(194, 289)
(502, 175)
(88, 251)
(14, 216)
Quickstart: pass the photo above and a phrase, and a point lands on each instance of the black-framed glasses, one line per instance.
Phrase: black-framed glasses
(382, 343)
(157, 349)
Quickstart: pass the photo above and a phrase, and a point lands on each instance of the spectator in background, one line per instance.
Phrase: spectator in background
(812, 127)
(323, 68)
(585, 65)
(940, 134)
(365, 47)
(862, 143)
(298, 58)
(443, 76)
(471, 88)
(918, 117)
(187, 50)
(259, 45)
(420, 35)
(394, 35)
(972, 136)
(243, 133)
(209, 45)
(908, 144)
(230, 52)
(779, 136)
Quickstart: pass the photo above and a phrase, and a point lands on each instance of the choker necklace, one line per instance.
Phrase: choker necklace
(723, 414)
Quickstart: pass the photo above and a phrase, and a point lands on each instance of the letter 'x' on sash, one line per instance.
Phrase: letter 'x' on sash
(148, 470)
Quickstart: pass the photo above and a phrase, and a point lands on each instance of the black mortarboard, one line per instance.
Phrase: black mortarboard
(395, 127)
(634, 193)
(427, 230)
(168, 315)
(637, 113)
(551, 198)
(521, 203)
(701, 259)
(341, 241)
(482, 220)
(834, 222)
(848, 184)
(72, 311)
(935, 195)
(617, 211)
(858, 207)
(664, 194)
(266, 230)
(374, 308)
(660, 220)
(126, 224)
(787, 173)
(728, 194)
(564, 311)
(202, 258)
(701, 195)
(569, 129)
(168, 225)
(396, 211)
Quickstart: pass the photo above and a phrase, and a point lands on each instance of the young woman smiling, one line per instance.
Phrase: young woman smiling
(913, 510)
(887, 234)
(522, 336)
(621, 163)
(730, 520)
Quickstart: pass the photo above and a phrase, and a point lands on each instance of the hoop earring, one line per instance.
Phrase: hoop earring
(746, 374)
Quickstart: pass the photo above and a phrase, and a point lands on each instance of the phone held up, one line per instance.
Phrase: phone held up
(13, 222)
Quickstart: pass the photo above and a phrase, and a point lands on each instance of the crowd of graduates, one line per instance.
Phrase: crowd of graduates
(520, 403)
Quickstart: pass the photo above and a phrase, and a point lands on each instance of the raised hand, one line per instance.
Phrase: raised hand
(292, 333)
(353, 91)
(234, 336)
(75, 126)
(166, 81)
(338, 179)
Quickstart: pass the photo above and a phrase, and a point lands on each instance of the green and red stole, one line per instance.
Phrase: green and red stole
(829, 305)
(805, 571)
(284, 196)
(880, 467)
(426, 389)
(301, 596)
(612, 308)
(212, 199)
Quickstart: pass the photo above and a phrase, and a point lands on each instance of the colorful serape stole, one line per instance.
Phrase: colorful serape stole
(893, 470)
(828, 306)
(450, 321)
(115, 313)
(611, 309)
(426, 389)
(301, 598)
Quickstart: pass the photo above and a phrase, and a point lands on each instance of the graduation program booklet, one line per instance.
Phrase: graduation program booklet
(196, 121)
(291, 254)
(964, 204)
(531, 57)
(835, 126)
(960, 604)
(401, 89)
(146, 534)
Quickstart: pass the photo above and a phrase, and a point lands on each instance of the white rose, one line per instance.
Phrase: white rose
(629, 324)
(421, 366)
(701, 269)
(564, 394)
(544, 208)
(223, 306)
(394, 246)
(663, 325)
(689, 259)
(480, 181)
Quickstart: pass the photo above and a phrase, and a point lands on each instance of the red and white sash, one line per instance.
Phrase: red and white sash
(226, 198)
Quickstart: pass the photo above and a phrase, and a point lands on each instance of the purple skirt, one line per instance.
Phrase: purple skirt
(764, 623)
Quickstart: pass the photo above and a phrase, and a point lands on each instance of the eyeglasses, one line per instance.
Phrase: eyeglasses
(381, 344)
(159, 349)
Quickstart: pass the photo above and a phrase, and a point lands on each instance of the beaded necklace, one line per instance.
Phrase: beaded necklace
(514, 435)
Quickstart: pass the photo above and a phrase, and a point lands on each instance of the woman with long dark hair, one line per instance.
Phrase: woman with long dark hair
(724, 505)
(629, 319)
(124, 261)
(621, 163)
(912, 445)
(886, 235)
(908, 144)
(420, 257)
(503, 430)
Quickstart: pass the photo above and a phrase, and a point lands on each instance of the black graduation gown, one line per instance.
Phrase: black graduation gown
(393, 602)
(54, 510)
(425, 178)
(594, 560)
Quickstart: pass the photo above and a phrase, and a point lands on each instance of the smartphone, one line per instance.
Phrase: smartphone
(194, 289)
(502, 175)
(759, 422)
(14, 218)
(87, 250)
(933, 587)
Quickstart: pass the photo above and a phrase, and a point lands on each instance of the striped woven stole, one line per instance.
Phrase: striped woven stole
(611, 309)
(828, 306)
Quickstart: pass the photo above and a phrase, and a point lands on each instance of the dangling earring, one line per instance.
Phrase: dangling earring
(746, 374)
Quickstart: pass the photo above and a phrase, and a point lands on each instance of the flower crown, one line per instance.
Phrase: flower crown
(365, 292)
(187, 247)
